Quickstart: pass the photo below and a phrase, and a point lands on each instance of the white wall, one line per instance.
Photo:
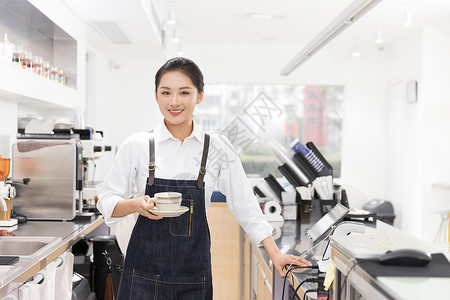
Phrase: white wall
(435, 128)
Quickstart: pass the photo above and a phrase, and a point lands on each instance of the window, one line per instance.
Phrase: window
(251, 115)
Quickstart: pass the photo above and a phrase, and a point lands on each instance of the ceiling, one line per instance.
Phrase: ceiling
(218, 24)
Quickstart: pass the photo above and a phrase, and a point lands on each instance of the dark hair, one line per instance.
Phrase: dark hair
(184, 65)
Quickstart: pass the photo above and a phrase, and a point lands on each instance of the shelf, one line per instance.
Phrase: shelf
(26, 87)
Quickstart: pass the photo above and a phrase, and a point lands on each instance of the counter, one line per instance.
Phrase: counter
(290, 237)
(66, 234)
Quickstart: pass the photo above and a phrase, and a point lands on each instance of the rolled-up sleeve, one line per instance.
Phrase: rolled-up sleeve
(119, 181)
(234, 184)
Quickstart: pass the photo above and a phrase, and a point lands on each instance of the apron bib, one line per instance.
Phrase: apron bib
(170, 258)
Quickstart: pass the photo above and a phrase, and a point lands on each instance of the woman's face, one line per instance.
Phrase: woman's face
(177, 96)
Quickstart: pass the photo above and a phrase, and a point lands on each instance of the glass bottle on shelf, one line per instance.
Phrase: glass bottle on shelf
(37, 65)
(17, 56)
(27, 64)
(62, 77)
(6, 49)
(54, 74)
(46, 69)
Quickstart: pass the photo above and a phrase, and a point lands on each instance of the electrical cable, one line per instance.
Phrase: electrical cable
(290, 270)
(302, 255)
(309, 291)
(315, 280)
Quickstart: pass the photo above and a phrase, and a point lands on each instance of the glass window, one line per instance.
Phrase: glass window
(251, 115)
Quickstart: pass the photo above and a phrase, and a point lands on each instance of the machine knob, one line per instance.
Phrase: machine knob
(97, 148)
(108, 148)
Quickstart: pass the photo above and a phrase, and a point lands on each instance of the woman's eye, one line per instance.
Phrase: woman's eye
(165, 93)
(184, 93)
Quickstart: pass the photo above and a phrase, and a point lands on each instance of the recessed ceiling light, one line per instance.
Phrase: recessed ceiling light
(259, 16)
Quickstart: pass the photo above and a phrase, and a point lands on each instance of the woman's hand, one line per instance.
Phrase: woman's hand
(143, 205)
(281, 261)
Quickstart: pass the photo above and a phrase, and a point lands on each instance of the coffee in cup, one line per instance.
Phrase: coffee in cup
(167, 201)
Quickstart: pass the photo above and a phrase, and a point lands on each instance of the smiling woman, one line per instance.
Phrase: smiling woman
(170, 258)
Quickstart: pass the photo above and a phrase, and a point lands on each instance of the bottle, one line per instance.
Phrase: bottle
(62, 77)
(6, 49)
(54, 74)
(27, 64)
(46, 69)
(37, 65)
(17, 56)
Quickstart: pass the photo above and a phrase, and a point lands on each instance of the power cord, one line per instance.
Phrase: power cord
(309, 291)
(290, 270)
(315, 280)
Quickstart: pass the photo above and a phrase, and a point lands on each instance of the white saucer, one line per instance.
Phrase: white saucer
(169, 213)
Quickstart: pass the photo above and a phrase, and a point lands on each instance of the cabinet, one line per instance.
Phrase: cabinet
(262, 280)
(226, 258)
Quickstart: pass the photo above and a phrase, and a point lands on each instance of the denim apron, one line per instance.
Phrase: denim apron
(170, 258)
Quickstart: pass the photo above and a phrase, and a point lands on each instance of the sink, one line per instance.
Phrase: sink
(26, 247)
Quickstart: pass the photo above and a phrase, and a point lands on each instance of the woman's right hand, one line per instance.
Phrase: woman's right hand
(143, 205)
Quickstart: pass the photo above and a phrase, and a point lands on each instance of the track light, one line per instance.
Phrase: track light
(378, 37)
(175, 37)
(408, 18)
(171, 20)
(353, 12)
(356, 52)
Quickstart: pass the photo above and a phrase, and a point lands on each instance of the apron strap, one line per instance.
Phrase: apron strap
(151, 161)
(202, 171)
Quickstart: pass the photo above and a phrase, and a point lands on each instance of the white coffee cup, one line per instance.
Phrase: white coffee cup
(167, 201)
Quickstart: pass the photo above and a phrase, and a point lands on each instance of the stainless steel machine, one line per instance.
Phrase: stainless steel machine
(47, 171)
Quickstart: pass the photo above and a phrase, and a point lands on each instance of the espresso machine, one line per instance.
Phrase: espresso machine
(47, 174)
(7, 193)
(93, 150)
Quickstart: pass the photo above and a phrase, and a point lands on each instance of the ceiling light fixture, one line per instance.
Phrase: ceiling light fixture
(408, 18)
(175, 37)
(353, 12)
(171, 20)
(259, 16)
(378, 37)
(356, 52)
(180, 51)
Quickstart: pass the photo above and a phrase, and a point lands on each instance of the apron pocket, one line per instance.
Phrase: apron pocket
(149, 286)
(143, 286)
(184, 224)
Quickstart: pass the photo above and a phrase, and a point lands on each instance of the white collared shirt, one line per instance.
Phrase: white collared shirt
(176, 160)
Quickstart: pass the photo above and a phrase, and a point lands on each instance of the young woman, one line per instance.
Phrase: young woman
(169, 258)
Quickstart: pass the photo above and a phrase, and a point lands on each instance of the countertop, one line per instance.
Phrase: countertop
(67, 233)
(291, 238)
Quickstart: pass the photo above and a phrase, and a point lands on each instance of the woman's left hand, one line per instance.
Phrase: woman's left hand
(280, 261)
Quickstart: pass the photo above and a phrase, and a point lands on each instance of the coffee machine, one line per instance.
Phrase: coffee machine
(93, 149)
(47, 174)
(7, 193)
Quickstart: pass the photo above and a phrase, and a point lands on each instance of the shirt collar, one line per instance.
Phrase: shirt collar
(163, 134)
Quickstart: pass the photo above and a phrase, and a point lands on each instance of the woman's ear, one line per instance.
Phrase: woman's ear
(200, 97)
(156, 97)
